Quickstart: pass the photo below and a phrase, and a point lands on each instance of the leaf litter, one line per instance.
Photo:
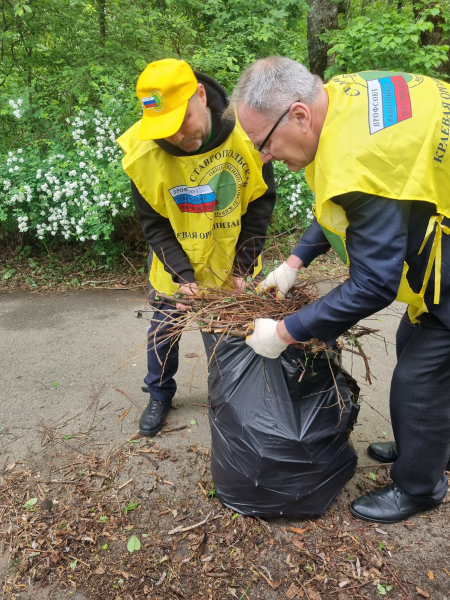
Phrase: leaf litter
(113, 541)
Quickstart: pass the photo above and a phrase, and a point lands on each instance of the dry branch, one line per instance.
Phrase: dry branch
(183, 529)
(127, 396)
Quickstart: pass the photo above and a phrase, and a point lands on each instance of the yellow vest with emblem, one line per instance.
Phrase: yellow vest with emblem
(203, 196)
(385, 134)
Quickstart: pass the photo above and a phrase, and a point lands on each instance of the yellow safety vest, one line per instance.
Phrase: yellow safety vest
(385, 134)
(204, 198)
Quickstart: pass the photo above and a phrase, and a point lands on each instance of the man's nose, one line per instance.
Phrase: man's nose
(178, 136)
(265, 157)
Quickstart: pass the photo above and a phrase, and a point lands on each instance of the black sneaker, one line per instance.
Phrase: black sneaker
(152, 419)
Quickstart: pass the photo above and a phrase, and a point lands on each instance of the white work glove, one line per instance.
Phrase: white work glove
(264, 338)
(282, 278)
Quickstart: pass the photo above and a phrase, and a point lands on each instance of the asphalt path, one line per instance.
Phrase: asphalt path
(61, 355)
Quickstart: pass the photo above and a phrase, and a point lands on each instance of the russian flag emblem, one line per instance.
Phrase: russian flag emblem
(389, 102)
(154, 101)
(149, 102)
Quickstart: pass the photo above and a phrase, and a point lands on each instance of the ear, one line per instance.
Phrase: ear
(302, 115)
(201, 95)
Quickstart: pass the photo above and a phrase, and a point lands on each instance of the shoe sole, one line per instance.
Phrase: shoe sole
(151, 432)
(384, 522)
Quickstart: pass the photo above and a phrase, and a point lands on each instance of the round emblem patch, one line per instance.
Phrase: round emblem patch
(224, 181)
(224, 186)
(153, 102)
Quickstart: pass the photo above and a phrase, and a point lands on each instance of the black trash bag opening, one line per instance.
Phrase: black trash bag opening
(280, 432)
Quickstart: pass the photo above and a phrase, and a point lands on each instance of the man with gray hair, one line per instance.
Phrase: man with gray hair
(374, 147)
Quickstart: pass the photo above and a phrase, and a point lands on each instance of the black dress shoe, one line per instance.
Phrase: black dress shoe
(387, 505)
(152, 419)
(386, 452)
(383, 451)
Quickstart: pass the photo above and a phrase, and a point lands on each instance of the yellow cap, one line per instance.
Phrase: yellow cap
(164, 89)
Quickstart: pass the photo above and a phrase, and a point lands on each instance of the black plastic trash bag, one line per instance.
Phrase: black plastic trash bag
(280, 440)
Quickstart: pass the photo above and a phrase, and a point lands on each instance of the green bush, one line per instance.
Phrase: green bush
(294, 200)
(72, 186)
(386, 42)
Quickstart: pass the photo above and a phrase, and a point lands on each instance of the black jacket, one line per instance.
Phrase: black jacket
(158, 230)
(381, 235)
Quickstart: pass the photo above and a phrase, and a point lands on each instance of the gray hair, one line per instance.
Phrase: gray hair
(270, 85)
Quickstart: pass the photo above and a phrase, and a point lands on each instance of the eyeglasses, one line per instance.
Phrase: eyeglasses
(260, 148)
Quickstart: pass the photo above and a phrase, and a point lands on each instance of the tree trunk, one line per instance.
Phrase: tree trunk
(435, 37)
(101, 7)
(323, 15)
(343, 7)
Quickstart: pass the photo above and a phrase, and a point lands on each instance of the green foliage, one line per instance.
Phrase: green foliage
(131, 506)
(382, 590)
(60, 58)
(30, 504)
(387, 41)
(235, 33)
(133, 544)
(62, 72)
(294, 200)
(8, 274)
(73, 185)
(67, 79)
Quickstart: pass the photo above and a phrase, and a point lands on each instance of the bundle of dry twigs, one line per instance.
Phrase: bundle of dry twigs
(231, 312)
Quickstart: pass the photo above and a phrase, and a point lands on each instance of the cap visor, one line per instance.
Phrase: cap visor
(156, 127)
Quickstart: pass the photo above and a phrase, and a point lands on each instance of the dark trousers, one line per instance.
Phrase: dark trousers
(420, 408)
(162, 351)
(162, 347)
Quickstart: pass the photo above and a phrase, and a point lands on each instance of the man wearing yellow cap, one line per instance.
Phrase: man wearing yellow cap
(203, 198)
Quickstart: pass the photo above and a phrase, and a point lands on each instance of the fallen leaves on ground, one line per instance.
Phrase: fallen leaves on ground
(297, 530)
(294, 591)
(108, 540)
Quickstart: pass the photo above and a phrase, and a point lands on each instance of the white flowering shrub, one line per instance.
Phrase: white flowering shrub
(73, 187)
(16, 106)
(294, 200)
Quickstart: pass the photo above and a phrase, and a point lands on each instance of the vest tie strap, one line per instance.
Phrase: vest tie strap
(435, 255)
